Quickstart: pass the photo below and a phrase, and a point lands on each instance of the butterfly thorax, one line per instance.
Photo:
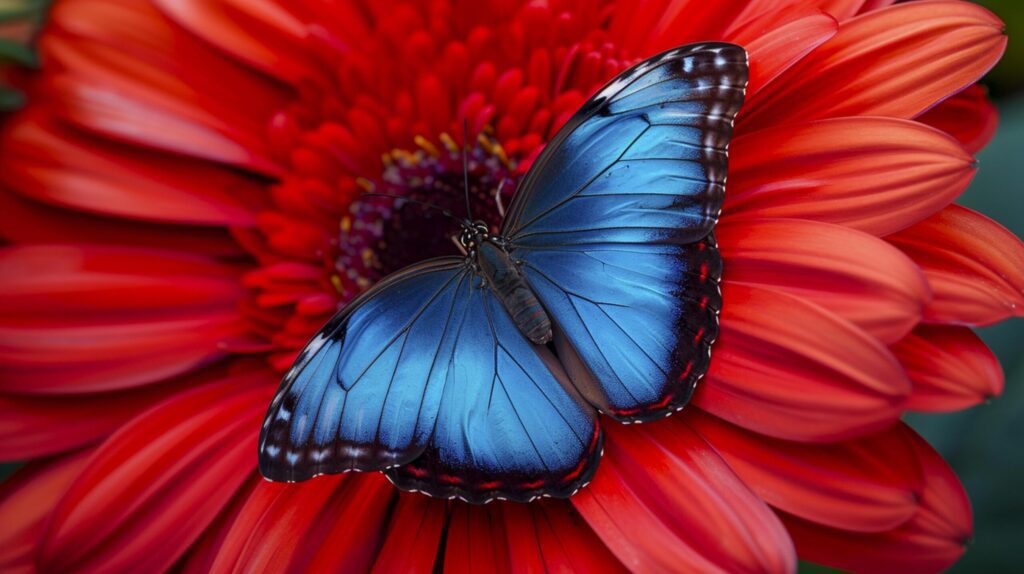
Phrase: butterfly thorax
(502, 275)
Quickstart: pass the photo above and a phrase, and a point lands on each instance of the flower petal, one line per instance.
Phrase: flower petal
(969, 116)
(790, 369)
(476, 541)
(200, 558)
(659, 26)
(26, 221)
(877, 175)
(550, 536)
(974, 265)
(56, 165)
(121, 83)
(898, 61)
(125, 316)
(931, 541)
(151, 489)
(308, 527)
(845, 9)
(26, 500)
(413, 536)
(852, 274)
(31, 427)
(951, 368)
(870, 484)
(663, 500)
(779, 38)
(273, 42)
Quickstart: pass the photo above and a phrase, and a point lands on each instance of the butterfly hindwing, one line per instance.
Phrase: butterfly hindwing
(613, 224)
(428, 373)
(364, 393)
(507, 426)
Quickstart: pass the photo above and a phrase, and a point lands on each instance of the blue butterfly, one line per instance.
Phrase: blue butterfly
(481, 377)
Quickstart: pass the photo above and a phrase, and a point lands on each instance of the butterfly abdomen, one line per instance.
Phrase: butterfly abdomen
(510, 286)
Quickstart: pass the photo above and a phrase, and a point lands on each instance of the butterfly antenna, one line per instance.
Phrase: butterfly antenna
(427, 204)
(465, 165)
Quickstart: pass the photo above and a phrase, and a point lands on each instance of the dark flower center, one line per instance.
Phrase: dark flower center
(381, 235)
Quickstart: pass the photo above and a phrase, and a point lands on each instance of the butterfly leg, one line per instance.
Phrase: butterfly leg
(459, 245)
(497, 198)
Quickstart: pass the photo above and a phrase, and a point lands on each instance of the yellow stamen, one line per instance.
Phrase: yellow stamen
(336, 281)
(448, 142)
(427, 146)
(365, 184)
(367, 256)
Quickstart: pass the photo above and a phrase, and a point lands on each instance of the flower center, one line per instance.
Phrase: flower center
(381, 235)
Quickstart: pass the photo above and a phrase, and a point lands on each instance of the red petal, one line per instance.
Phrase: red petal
(877, 175)
(930, 542)
(969, 116)
(125, 317)
(150, 119)
(26, 221)
(26, 500)
(137, 77)
(845, 9)
(898, 61)
(779, 38)
(550, 536)
(477, 541)
(673, 23)
(869, 484)
(854, 275)
(148, 492)
(201, 556)
(271, 41)
(790, 369)
(365, 501)
(663, 500)
(413, 536)
(308, 527)
(951, 368)
(46, 162)
(974, 265)
(31, 427)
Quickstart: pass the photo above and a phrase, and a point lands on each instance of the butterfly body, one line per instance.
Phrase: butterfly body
(440, 375)
(503, 276)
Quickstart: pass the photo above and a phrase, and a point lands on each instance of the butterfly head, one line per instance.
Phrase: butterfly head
(473, 234)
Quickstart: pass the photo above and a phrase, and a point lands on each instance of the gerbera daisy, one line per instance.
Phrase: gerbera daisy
(182, 202)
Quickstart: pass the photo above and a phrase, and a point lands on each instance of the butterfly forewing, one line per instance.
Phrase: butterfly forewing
(613, 224)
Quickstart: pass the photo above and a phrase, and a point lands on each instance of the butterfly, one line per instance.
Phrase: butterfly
(481, 377)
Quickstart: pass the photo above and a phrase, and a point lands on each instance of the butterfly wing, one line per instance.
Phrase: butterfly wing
(510, 424)
(364, 393)
(428, 373)
(613, 228)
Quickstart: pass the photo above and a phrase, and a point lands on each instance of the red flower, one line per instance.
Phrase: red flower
(181, 200)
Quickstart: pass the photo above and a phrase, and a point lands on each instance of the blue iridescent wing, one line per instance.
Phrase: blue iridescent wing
(364, 393)
(427, 370)
(510, 424)
(613, 228)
